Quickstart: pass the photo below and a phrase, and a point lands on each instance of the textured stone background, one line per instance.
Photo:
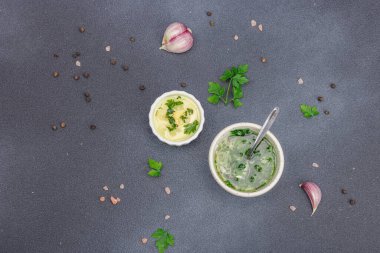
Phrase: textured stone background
(50, 181)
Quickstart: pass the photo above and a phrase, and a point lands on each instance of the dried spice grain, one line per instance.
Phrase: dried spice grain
(292, 208)
(108, 48)
(209, 13)
(62, 124)
(343, 191)
(253, 23)
(167, 190)
(132, 39)
(300, 81)
(114, 200)
(55, 55)
(54, 127)
(102, 199)
(142, 87)
(122, 186)
(326, 112)
(183, 85)
(167, 217)
(82, 29)
(76, 77)
(87, 94)
(88, 99)
(86, 75)
(113, 61)
(352, 202)
(92, 127)
(125, 67)
(144, 240)
(332, 85)
(55, 74)
(320, 98)
(263, 59)
(261, 27)
(105, 188)
(236, 37)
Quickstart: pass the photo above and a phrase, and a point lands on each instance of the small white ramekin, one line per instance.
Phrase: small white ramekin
(279, 160)
(174, 93)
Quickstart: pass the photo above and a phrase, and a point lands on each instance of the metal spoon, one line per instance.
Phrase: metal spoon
(264, 129)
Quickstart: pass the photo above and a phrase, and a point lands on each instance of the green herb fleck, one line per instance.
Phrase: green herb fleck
(155, 167)
(192, 127)
(185, 115)
(241, 166)
(163, 239)
(228, 183)
(171, 103)
(309, 111)
(258, 168)
(235, 78)
(251, 179)
(241, 132)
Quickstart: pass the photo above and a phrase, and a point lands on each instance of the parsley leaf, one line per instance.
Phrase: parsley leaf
(309, 111)
(163, 239)
(192, 127)
(241, 132)
(155, 167)
(171, 103)
(236, 77)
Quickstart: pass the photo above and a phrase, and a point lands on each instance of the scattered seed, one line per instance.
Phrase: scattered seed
(344, 191)
(88, 99)
(167, 190)
(333, 85)
(114, 200)
(54, 127)
(260, 27)
(55, 74)
(142, 87)
(102, 199)
(63, 124)
(293, 208)
(144, 240)
(326, 112)
(122, 186)
(82, 29)
(263, 59)
(87, 94)
(108, 48)
(212, 23)
(76, 77)
(113, 61)
(183, 85)
(352, 202)
(236, 37)
(320, 98)
(86, 75)
(209, 13)
(253, 23)
(118, 200)
(125, 67)
(77, 63)
(167, 217)
(132, 39)
(300, 81)
(315, 165)
(92, 127)
(105, 188)
(75, 55)
(55, 55)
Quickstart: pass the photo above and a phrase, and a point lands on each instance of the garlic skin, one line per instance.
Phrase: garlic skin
(313, 192)
(178, 38)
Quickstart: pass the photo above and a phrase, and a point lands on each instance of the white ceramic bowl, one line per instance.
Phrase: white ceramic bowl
(279, 160)
(184, 94)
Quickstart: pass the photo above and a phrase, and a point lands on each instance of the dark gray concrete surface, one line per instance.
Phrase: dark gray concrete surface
(50, 181)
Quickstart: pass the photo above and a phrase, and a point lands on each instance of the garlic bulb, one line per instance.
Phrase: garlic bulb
(178, 38)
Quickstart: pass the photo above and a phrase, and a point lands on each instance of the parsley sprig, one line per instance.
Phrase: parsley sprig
(309, 111)
(235, 76)
(191, 127)
(155, 168)
(171, 103)
(163, 239)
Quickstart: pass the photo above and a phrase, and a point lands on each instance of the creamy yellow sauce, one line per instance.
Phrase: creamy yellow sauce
(162, 124)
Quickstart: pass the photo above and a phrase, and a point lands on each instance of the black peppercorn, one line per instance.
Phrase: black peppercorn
(88, 99)
(183, 85)
(92, 127)
(344, 191)
(333, 86)
(352, 202)
(326, 112)
(54, 127)
(142, 87)
(320, 98)
(132, 39)
(86, 94)
(55, 55)
(125, 67)
(209, 13)
(86, 75)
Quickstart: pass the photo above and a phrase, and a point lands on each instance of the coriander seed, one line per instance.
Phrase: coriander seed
(82, 29)
(63, 124)
(263, 59)
(55, 74)
(113, 61)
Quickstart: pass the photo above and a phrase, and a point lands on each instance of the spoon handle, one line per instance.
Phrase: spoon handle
(264, 129)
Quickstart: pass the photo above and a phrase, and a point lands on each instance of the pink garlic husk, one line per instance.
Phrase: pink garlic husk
(178, 38)
(313, 192)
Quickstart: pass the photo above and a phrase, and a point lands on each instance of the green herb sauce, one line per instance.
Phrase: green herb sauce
(236, 170)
